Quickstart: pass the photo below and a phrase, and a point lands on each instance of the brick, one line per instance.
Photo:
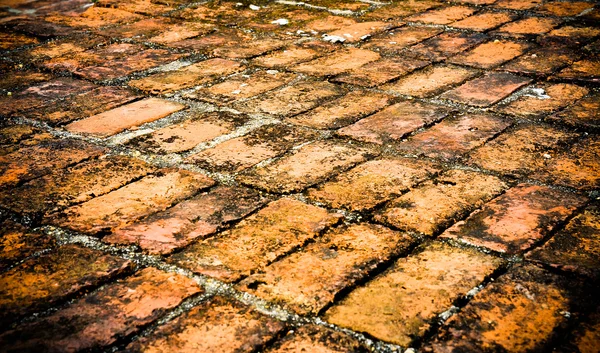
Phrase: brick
(248, 49)
(402, 303)
(569, 9)
(491, 54)
(13, 134)
(256, 241)
(94, 56)
(576, 247)
(401, 9)
(431, 80)
(122, 118)
(189, 220)
(392, 42)
(144, 7)
(394, 122)
(515, 221)
(100, 319)
(435, 205)
(311, 164)
(484, 21)
(541, 61)
(313, 338)
(586, 336)
(80, 183)
(373, 183)
(516, 313)
(39, 27)
(486, 90)
(585, 70)
(329, 23)
(189, 76)
(529, 26)
(38, 160)
(217, 325)
(337, 62)
(237, 154)
(44, 281)
(291, 100)
(241, 87)
(445, 45)
(517, 4)
(552, 98)
(181, 31)
(584, 113)
(19, 79)
(123, 206)
(443, 15)
(17, 243)
(9, 41)
(343, 111)
(309, 280)
(287, 57)
(570, 32)
(187, 134)
(357, 32)
(34, 139)
(63, 47)
(455, 136)
(379, 72)
(139, 30)
(521, 151)
(94, 17)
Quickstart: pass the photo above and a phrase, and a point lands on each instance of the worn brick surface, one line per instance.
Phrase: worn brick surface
(430, 81)
(516, 220)
(529, 26)
(257, 241)
(542, 61)
(101, 318)
(491, 54)
(17, 243)
(484, 21)
(400, 305)
(392, 42)
(437, 204)
(337, 62)
(564, 9)
(379, 72)
(585, 70)
(288, 56)
(446, 45)
(443, 16)
(486, 90)
(584, 113)
(95, 17)
(551, 98)
(316, 339)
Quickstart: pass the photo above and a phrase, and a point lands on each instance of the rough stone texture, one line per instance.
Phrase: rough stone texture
(17, 243)
(486, 90)
(317, 339)
(430, 81)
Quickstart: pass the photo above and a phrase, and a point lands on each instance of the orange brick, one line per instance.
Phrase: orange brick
(401, 304)
(18, 79)
(394, 122)
(392, 42)
(330, 23)
(248, 49)
(529, 26)
(569, 9)
(517, 4)
(585, 70)
(9, 41)
(357, 32)
(584, 113)
(542, 61)
(430, 81)
(13, 134)
(587, 335)
(17, 243)
(307, 281)
(123, 206)
(401, 9)
(41, 282)
(124, 117)
(552, 98)
(379, 72)
(443, 15)
(373, 183)
(484, 21)
(486, 90)
(491, 54)
(257, 240)
(94, 17)
(435, 205)
(144, 7)
(515, 221)
(311, 338)
(305, 167)
(445, 45)
(100, 319)
(337, 62)
(181, 31)
(284, 58)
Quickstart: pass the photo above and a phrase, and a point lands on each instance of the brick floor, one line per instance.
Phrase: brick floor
(286, 176)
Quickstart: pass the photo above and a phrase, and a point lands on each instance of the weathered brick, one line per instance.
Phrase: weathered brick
(10, 41)
(430, 81)
(443, 15)
(75, 56)
(551, 98)
(584, 113)
(359, 31)
(144, 7)
(529, 26)
(585, 70)
(521, 151)
(308, 281)
(181, 224)
(445, 45)
(19, 79)
(218, 325)
(392, 42)
(41, 282)
(123, 206)
(94, 17)
(455, 136)
(189, 76)
(257, 240)
(491, 54)
(12, 134)
(394, 122)
(287, 57)
(291, 100)
(515, 221)
(517, 4)
(237, 154)
(100, 319)
(486, 90)
(542, 61)
(181, 31)
(586, 337)
(401, 9)
(122, 118)
(373, 183)
(568, 9)
(435, 205)
(337, 62)
(312, 338)
(484, 21)
(248, 49)
(305, 167)
(329, 23)
(381, 71)
(400, 305)
(17, 243)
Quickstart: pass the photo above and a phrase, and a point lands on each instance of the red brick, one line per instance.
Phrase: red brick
(552, 98)
(373, 183)
(456, 136)
(486, 90)
(443, 15)
(309, 280)
(41, 282)
(311, 338)
(379, 72)
(248, 49)
(100, 319)
(311, 164)
(237, 154)
(337, 62)
(515, 221)
(394, 122)
(445, 45)
(491, 54)
(393, 11)
(566, 9)
(484, 21)
(94, 17)
(71, 57)
(144, 7)
(529, 26)
(192, 219)
(584, 113)
(585, 70)
(402, 303)
(431, 80)
(181, 31)
(189, 76)
(256, 241)
(435, 205)
(287, 57)
(571, 32)
(392, 42)
(122, 118)
(357, 32)
(517, 4)
(329, 23)
(123, 206)
(17, 243)
(70, 46)
(217, 325)
(541, 61)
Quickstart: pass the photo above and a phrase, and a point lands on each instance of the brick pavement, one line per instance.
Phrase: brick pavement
(282, 176)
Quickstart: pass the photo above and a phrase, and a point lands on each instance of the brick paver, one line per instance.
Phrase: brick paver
(317, 339)
(18, 243)
(486, 90)
(430, 81)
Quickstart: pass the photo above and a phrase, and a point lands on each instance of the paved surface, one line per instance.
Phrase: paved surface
(325, 176)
